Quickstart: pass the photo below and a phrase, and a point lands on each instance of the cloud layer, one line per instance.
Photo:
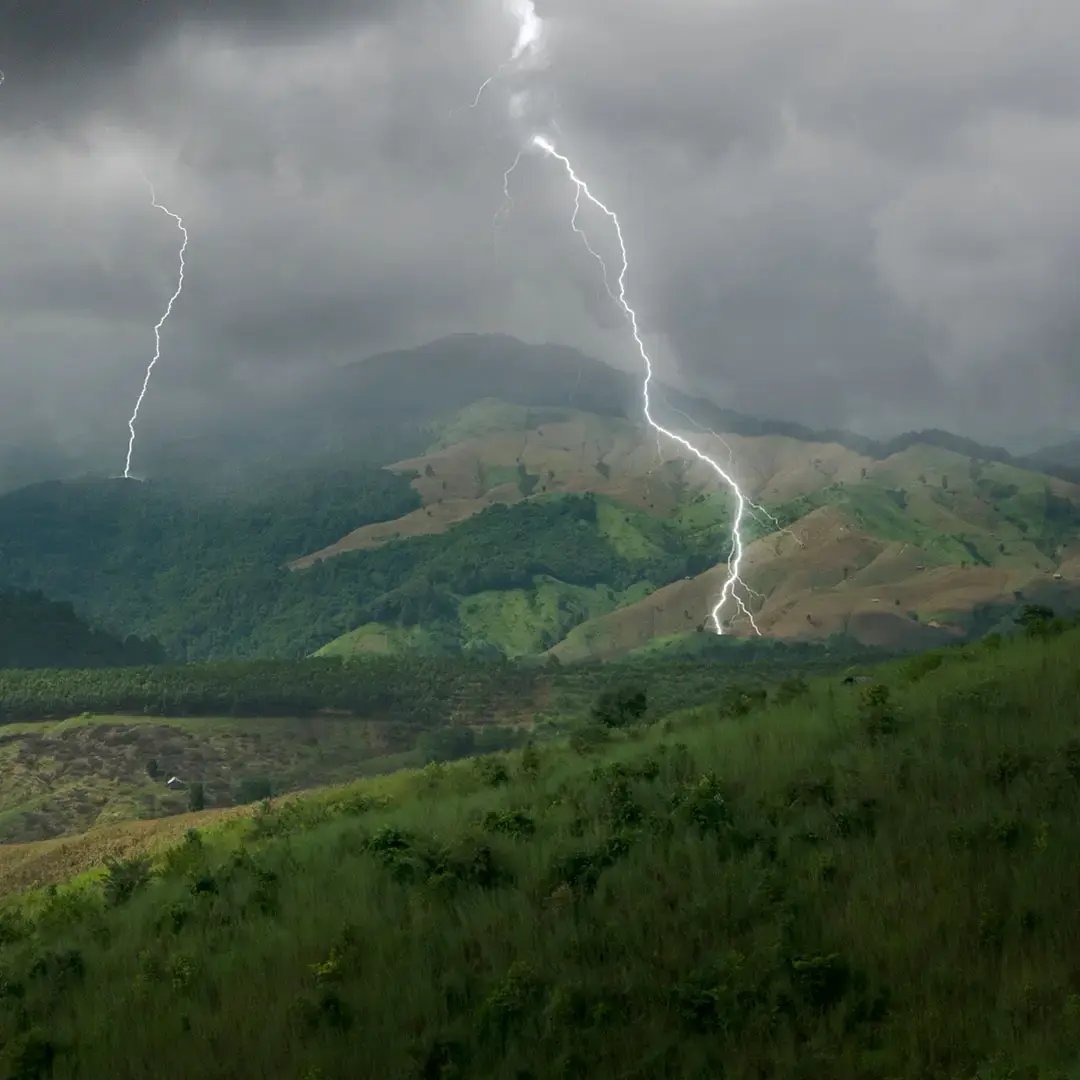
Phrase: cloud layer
(838, 213)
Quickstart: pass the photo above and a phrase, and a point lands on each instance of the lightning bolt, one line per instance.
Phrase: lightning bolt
(527, 43)
(730, 593)
(485, 84)
(157, 329)
(759, 512)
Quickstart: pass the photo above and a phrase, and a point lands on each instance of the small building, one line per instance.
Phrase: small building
(174, 783)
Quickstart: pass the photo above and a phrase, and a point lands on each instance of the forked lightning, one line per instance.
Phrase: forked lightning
(157, 329)
(734, 586)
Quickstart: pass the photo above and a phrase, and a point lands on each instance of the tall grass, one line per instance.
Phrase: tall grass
(867, 881)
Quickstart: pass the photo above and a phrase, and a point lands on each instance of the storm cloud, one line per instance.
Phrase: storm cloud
(838, 213)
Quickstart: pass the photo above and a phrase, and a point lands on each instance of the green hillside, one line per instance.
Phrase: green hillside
(849, 882)
(527, 522)
(208, 577)
(83, 748)
(39, 633)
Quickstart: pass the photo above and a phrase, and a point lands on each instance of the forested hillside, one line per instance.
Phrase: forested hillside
(525, 527)
(209, 577)
(39, 633)
(201, 572)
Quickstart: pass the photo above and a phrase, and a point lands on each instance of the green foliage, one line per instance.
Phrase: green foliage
(620, 707)
(791, 689)
(739, 699)
(209, 576)
(124, 878)
(736, 897)
(40, 633)
(199, 572)
(251, 789)
(251, 688)
(1038, 620)
(196, 795)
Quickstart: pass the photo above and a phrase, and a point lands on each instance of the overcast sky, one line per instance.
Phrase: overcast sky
(838, 212)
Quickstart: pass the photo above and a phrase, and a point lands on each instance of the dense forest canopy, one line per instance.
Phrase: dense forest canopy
(208, 577)
(36, 632)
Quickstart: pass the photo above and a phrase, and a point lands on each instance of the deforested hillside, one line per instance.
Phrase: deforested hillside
(506, 516)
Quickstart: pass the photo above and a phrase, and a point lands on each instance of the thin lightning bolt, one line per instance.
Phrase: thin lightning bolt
(485, 84)
(757, 511)
(157, 329)
(527, 43)
(730, 591)
(508, 203)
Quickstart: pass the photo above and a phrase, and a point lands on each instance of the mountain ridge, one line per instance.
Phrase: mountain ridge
(476, 521)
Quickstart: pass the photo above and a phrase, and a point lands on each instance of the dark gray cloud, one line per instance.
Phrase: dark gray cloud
(42, 33)
(837, 213)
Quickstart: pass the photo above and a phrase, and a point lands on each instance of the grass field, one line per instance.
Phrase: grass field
(863, 881)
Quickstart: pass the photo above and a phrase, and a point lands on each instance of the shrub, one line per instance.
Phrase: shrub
(581, 870)
(515, 823)
(589, 738)
(876, 714)
(517, 993)
(185, 857)
(253, 789)
(124, 878)
(702, 803)
(530, 761)
(492, 771)
(620, 707)
(739, 700)
(820, 980)
(34, 1056)
(715, 997)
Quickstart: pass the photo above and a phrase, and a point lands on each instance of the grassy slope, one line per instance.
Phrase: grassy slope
(823, 888)
(61, 776)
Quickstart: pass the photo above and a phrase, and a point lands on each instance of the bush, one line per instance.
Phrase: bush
(254, 789)
(124, 878)
(515, 823)
(791, 690)
(1038, 620)
(492, 771)
(739, 700)
(876, 714)
(620, 707)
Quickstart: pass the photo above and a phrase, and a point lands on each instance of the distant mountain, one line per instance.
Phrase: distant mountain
(39, 633)
(1064, 455)
(485, 496)
(377, 409)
